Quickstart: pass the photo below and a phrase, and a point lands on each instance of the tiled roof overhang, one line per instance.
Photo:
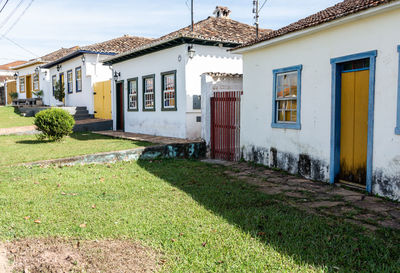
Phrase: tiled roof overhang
(73, 55)
(165, 44)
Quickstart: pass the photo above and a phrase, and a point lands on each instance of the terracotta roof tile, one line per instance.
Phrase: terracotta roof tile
(118, 45)
(218, 29)
(58, 54)
(12, 64)
(340, 10)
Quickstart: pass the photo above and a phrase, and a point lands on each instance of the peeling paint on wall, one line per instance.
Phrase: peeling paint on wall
(386, 185)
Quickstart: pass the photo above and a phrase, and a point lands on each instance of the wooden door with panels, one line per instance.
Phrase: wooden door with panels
(354, 121)
(28, 86)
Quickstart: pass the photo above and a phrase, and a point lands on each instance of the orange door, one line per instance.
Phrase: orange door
(28, 86)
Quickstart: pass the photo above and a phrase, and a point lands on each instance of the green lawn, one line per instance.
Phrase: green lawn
(8, 118)
(200, 219)
(26, 148)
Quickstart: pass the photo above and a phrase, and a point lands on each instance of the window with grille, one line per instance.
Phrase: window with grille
(69, 81)
(286, 100)
(148, 93)
(168, 90)
(36, 82)
(133, 94)
(22, 84)
(78, 77)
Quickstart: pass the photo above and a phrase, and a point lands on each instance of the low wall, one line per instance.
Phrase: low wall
(195, 150)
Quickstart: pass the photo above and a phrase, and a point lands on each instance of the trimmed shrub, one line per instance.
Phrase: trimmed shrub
(54, 124)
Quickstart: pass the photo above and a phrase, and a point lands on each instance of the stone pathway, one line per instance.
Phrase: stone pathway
(147, 138)
(319, 198)
(23, 130)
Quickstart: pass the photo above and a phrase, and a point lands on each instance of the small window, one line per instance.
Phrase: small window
(22, 84)
(69, 81)
(286, 98)
(36, 82)
(133, 94)
(168, 90)
(78, 77)
(148, 93)
(54, 82)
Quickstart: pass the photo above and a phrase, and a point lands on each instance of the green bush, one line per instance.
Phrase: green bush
(54, 124)
(14, 95)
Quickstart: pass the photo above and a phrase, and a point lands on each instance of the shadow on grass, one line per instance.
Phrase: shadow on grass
(323, 241)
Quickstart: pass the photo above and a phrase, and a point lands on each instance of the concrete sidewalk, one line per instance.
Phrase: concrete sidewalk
(146, 138)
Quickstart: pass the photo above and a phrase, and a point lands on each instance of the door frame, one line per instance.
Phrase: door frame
(116, 105)
(336, 113)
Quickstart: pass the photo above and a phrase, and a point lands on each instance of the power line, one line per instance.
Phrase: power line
(18, 45)
(3, 5)
(11, 14)
(19, 18)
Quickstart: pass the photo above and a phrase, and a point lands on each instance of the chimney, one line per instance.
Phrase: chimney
(222, 12)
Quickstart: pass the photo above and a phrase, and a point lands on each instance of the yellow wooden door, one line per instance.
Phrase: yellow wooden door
(28, 87)
(11, 88)
(354, 126)
(102, 100)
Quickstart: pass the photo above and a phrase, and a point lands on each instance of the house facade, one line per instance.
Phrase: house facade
(157, 86)
(323, 97)
(80, 70)
(31, 77)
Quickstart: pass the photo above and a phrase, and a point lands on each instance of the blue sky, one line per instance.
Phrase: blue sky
(51, 24)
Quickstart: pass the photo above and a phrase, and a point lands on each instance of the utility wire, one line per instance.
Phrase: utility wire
(18, 45)
(11, 14)
(19, 18)
(263, 5)
(3, 5)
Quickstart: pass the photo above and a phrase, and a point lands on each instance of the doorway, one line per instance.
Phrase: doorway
(119, 91)
(353, 88)
(28, 87)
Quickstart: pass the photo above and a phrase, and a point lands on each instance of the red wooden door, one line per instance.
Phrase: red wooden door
(225, 126)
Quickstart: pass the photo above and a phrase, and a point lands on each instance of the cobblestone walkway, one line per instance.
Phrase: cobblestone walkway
(319, 198)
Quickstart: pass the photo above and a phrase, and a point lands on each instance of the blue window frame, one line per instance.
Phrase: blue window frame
(78, 79)
(397, 130)
(286, 98)
(54, 82)
(69, 82)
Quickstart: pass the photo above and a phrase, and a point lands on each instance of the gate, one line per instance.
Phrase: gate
(102, 100)
(225, 125)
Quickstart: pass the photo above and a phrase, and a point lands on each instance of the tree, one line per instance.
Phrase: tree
(59, 91)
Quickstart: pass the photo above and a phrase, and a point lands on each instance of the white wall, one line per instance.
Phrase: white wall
(161, 123)
(314, 52)
(206, 59)
(92, 71)
(209, 85)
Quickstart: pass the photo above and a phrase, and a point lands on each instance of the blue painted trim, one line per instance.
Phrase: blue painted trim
(355, 70)
(283, 125)
(70, 90)
(76, 79)
(397, 129)
(336, 115)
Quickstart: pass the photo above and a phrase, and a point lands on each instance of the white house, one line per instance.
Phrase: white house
(82, 68)
(31, 77)
(158, 85)
(322, 96)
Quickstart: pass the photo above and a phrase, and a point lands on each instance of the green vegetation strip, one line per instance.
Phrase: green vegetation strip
(10, 118)
(200, 219)
(16, 149)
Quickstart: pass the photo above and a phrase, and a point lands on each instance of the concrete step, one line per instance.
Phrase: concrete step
(82, 116)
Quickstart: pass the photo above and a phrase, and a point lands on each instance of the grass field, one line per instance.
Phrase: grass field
(8, 118)
(201, 220)
(26, 148)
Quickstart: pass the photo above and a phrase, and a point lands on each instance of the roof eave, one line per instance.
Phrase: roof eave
(321, 27)
(74, 55)
(165, 45)
(36, 61)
